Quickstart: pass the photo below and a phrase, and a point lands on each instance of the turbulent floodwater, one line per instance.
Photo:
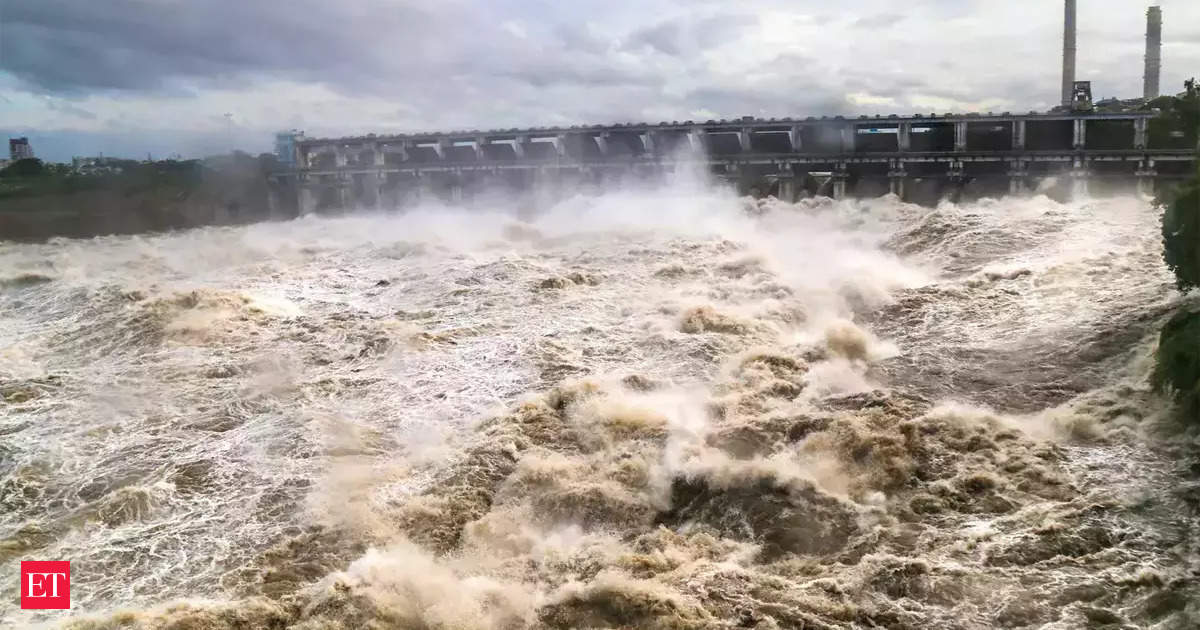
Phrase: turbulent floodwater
(653, 409)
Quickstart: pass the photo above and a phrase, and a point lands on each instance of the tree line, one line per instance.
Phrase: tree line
(32, 177)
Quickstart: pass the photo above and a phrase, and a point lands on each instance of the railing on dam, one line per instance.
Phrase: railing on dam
(783, 151)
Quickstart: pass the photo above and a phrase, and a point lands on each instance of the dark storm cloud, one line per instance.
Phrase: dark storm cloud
(422, 51)
(687, 35)
(154, 67)
(66, 46)
(578, 38)
(666, 38)
(722, 28)
(70, 109)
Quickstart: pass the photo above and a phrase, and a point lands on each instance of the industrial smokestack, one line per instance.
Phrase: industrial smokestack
(1068, 75)
(1153, 53)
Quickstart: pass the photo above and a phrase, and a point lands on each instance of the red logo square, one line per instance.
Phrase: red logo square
(45, 584)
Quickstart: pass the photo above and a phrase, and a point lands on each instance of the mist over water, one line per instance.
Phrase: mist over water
(662, 407)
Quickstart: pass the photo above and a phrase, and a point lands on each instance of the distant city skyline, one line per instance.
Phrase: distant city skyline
(128, 77)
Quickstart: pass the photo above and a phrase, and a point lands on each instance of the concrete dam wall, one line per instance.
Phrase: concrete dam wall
(920, 158)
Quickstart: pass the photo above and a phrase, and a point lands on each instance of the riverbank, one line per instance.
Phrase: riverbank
(144, 197)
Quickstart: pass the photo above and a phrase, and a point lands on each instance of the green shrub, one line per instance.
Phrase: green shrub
(1181, 235)
(1178, 362)
(28, 167)
(1177, 367)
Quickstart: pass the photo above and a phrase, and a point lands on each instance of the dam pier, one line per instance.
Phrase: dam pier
(921, 158)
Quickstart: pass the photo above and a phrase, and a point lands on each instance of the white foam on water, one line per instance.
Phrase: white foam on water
(180, 404)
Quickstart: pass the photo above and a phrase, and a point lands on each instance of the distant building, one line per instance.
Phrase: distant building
(1082, 96)
(285, 146)
(19, 149)
(95, 165)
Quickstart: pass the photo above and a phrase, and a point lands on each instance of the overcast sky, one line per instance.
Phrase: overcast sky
(129, 77)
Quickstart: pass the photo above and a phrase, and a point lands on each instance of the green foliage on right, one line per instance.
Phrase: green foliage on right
(1181, 234)
(1181, 205)
(1177, 370)
(1178, 124)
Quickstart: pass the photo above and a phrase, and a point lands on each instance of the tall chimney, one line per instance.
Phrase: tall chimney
(1068, 75)
(1153, 53)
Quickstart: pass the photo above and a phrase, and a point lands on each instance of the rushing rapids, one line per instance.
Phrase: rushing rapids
(663, 408)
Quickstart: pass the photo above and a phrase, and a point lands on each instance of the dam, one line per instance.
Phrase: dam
(919, 158)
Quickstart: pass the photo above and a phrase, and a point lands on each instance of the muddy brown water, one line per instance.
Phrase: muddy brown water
(664, 408)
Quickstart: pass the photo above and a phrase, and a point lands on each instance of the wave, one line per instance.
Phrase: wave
(665, 408)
